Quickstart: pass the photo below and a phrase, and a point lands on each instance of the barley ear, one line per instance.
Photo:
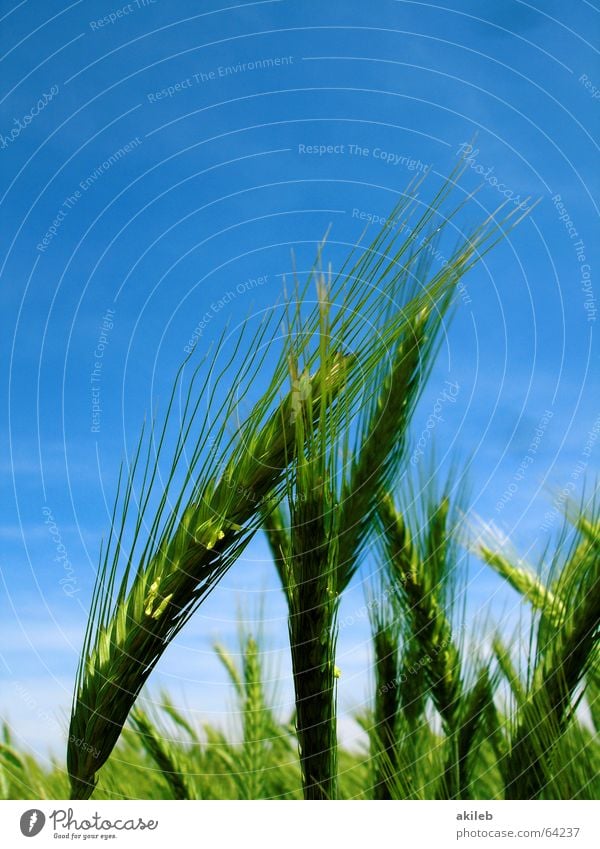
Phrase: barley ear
(419, 562)
(197, 532)
(386, 639)
(525, 582)
(164, 754)
(564, 656)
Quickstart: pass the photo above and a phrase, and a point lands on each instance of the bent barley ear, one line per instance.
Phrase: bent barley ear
(127, 637)
(491, 546)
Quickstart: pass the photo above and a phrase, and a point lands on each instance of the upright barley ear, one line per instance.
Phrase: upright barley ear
(420, 562)
(593, 690)
(307, 558)
(386, 639)
(331, 503)
(508, 670)
(379, 449)
(275, 527)
(478, 721)
(257, 723)
(259, 727)
(420, 577)
(166, 755)
(329, 510)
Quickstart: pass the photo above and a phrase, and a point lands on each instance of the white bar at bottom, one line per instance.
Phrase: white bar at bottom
(300, 825)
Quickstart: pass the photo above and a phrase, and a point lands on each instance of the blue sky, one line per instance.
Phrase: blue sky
(156, 155)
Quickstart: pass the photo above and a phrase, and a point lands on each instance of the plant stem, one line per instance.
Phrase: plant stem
(312, 639)
(387, 704)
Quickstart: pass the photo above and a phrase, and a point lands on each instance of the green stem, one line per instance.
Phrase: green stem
(387, 700)
(312, 637)
(314, 684)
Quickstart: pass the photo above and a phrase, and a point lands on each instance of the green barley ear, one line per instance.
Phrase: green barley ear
(259, 727)
(585, 521)
(228, 662)
(311, 556)
(478, 721)
(564, 655)
(398, 728)
(178, 719)
(395, 272)
(508, 670)
(386, 639)
(413, 693)
(419, 571)
(264, 763)
(308, 571)
(275, 527)
(12, 772)
(422, 298)
(199, 528)
(420, 563)
(494, 550)
(382, 432)
(164, 753)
